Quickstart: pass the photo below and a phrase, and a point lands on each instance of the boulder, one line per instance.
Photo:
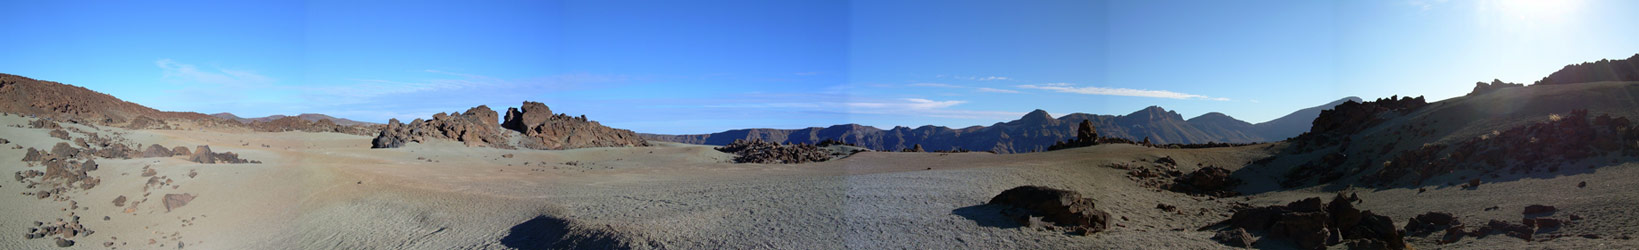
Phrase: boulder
(1062, 207)
(173, 201)
(203, 154)
(180, 151)
(1430, 222)
(156, 150)
(1236, 237)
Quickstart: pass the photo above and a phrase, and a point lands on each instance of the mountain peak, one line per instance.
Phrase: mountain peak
(1038, 114)
(1155, 113)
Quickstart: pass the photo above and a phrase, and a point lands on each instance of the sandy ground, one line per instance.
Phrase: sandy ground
(328, 191)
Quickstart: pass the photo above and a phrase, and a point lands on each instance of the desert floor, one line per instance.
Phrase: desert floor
(328, 190)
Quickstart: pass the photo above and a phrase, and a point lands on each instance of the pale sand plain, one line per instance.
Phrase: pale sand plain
(331, 191)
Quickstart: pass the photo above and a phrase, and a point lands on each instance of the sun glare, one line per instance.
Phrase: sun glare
(1533, 11)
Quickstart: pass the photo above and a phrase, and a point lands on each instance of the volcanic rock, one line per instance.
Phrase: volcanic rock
(759, 151)
(543, 130)
(1236, 237)
(180, 151)
(156, 150)
(1062, 207)
(1310, 224)
(59, 134)
(1539, 209)
(1211, 180)
(173, 201)
(1431, 222)
(476, 127)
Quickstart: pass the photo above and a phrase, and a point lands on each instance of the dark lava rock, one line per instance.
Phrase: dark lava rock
(119, 201)
(173, 201)
(1236, 237)
(759, 151)
(64, 243)
(1431, 222)
(1539, 209)
(1212, 180)
(1063, 207)
(156, 150)
(1311, 224)
(59, 134)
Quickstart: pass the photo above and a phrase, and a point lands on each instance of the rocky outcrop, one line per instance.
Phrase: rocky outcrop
(759, 151)
(1311, 224)
(544, 130)
(68, 103)
(157, 150)
(534, 123)
(476, 127)
(1602, 70)
(1063, 208)
(203, 154)
(294, 123)
(1210, 180)
(1483, 87)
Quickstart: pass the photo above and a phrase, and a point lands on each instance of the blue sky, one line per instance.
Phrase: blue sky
(707, 66)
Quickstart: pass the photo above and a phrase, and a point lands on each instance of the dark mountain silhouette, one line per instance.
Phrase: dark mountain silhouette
(311, 117)
(1297, 122)
(1033, 132)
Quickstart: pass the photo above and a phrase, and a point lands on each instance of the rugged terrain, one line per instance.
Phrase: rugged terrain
(1507, 167)
(1034, 132)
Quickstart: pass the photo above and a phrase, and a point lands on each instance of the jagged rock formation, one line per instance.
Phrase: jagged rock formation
(476, 127)
(544, 130)
(1063, 208)
(1310, 224)
(759, 151)
(1034, 132)
(1602, 70)
(203, 154)
(535, 124)
(1483, 87)
(292, 123)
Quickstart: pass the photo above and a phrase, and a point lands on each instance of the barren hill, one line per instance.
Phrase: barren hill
(1033, 132)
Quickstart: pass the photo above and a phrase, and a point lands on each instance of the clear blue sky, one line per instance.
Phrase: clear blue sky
(707, 66)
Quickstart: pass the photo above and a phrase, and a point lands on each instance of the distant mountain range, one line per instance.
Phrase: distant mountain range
(307, 117)
(1035, 131)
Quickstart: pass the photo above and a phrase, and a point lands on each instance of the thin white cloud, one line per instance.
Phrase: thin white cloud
(189, 73)
(996, 90)
(936, 85)
(1071, 88)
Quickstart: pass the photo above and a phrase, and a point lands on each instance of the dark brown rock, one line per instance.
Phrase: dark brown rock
(173, 201)
(156, 150)
(1211, 180)
(59, 134)
(1539, 209)
(1235, 237)
(119, 201)
(759, 151)
(1430, 222)
(181, 151)
(1062, 207)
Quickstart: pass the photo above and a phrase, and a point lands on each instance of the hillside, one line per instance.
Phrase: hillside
(311, 117)
(1033, 132)
(1498, 133)
(23, 95)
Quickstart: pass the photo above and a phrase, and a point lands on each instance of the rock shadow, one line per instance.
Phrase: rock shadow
(986, 215)
(546, 232)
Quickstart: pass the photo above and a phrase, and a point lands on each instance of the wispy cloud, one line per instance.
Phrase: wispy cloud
(936, 85)
(1071, 88)
(952, 86)
(976, 78)
(189, 73)
(996, 90)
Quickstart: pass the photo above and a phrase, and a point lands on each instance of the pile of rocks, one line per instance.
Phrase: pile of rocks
(64, 231)
(1541, 146)
(294, 123)
(759, 151)
(203, 154)
(1336, 124)
(476, 127)
(1534, 226)
(1311, 224)
(1056, 208)
(1211, 180)
(544, 130)
(1482, 87)
(479, 126)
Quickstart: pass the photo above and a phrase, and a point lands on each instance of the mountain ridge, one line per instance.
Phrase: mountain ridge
(1032, 132)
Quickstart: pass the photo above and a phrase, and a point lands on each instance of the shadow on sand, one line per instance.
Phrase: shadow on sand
(986, 215)
(545, 232)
